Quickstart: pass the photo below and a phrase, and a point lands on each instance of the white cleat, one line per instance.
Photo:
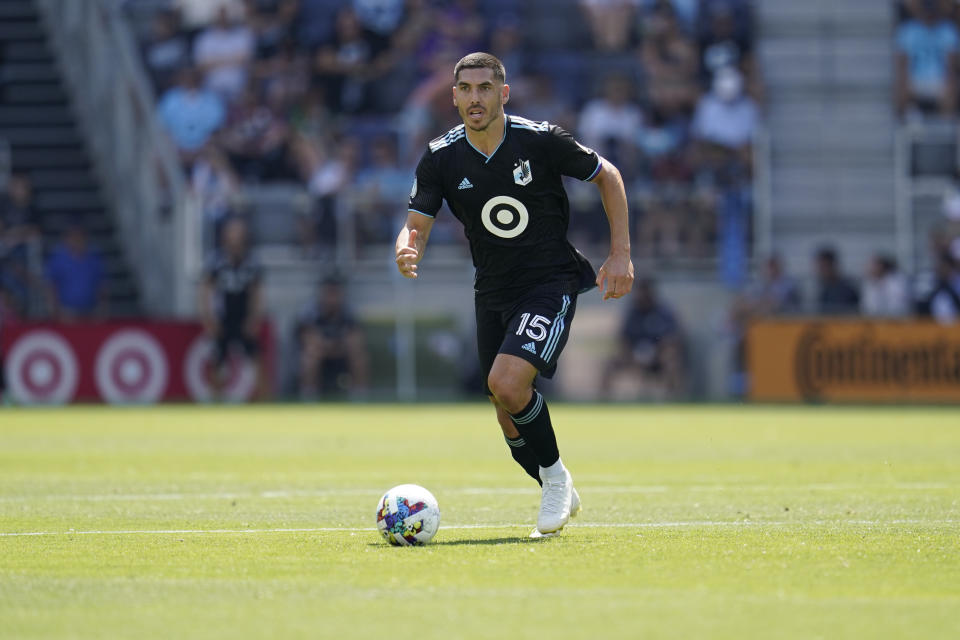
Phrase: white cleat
(574, 512)
(555, 502)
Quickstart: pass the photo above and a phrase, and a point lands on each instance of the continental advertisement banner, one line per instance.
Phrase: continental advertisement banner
(853, 361)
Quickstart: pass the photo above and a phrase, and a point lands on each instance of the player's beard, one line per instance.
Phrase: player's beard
(485, 121)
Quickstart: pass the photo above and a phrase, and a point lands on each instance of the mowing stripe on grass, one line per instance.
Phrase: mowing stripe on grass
(318, 493)
(577, 525)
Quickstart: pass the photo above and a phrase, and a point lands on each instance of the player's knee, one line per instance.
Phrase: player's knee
(509, 392)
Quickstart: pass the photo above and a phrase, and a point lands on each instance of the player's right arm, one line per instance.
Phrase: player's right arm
(411, 242)
(426, 196)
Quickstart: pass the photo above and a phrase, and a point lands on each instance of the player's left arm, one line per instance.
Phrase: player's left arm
(617, 270)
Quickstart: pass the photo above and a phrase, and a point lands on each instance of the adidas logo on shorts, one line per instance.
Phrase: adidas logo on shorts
(465, 184)
(532, 348)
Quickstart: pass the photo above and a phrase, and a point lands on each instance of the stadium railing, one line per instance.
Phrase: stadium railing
(926, 161)
(762, 196)
(136, 163)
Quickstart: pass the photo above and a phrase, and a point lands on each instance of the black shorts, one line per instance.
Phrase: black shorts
(232, 338)
(535, 327)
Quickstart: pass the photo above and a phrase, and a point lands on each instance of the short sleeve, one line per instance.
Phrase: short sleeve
(572, 158)
(426, 194)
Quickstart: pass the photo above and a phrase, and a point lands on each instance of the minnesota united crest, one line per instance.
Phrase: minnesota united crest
(522, 174)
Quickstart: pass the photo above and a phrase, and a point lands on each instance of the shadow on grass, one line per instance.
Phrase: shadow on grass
(478, 541)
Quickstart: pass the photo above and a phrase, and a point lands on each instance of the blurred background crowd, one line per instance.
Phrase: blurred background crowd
(304, 119)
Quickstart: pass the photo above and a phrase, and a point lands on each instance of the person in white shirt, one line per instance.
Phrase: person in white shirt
(224, 52)
(885, 292)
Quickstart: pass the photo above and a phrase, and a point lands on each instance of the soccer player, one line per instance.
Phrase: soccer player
(501, 177)
(231, 304)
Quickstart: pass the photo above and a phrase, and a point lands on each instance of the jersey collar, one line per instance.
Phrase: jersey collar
(506, 125)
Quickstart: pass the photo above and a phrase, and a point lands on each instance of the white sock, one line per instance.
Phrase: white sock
(556, 469)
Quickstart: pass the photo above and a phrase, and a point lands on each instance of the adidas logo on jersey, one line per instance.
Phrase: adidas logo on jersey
(465, 184)
(532, 348)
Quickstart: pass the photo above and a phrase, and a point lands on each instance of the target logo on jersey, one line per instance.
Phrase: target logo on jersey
(505, 217)
(41, 368)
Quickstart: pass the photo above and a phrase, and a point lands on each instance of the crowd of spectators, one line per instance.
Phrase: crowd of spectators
(69, 274)
(342, 95)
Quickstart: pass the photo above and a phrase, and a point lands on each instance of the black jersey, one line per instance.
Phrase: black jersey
(232, 283)
(512, 204)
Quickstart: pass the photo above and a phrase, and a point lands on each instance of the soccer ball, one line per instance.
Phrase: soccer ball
(408, 515)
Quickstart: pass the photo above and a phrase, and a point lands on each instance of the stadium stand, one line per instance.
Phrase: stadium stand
(48, 149)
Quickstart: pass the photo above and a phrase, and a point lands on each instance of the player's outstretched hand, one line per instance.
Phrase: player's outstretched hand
(408, 256)
(616, 275)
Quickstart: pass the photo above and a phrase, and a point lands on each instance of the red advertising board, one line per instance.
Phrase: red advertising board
(138, 362)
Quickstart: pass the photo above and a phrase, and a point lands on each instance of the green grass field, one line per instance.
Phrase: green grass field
(698, 522)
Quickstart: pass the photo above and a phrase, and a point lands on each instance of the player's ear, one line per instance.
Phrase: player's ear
(505, 96)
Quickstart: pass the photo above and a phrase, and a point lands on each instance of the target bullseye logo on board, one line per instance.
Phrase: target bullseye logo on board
(505, 217)
(241, 376)
(41, 368)
(131, 367)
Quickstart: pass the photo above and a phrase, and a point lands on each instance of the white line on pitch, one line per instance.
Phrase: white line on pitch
(577, 525)
(317, 493)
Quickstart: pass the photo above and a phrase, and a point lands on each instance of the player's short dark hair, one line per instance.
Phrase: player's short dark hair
(481, 60)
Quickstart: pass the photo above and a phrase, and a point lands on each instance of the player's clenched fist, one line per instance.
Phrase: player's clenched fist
(408, 255)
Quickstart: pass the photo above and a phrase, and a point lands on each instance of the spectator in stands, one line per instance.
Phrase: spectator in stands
(216, 186)
(836, 295)
(669, 60)
(231, 305)
(776, 294)
(609, 123)
(255, 137)
(77, 285)
(167, 52)
(382, 18)
(333, 351)
(273, 23)
(926, 62)
(726, 42)
(190, 114)
(311, 120)
(224, 53)
(885, 292)
(650, 349)
(725, 122)
(19, 240)
(345, 65)
(284, 76)
(197, 14)
(662, 142)
(328, 172)
(377, 190)
(611, 23)
(942, 303)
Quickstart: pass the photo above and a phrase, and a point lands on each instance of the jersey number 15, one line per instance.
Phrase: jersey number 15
(537, 328)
